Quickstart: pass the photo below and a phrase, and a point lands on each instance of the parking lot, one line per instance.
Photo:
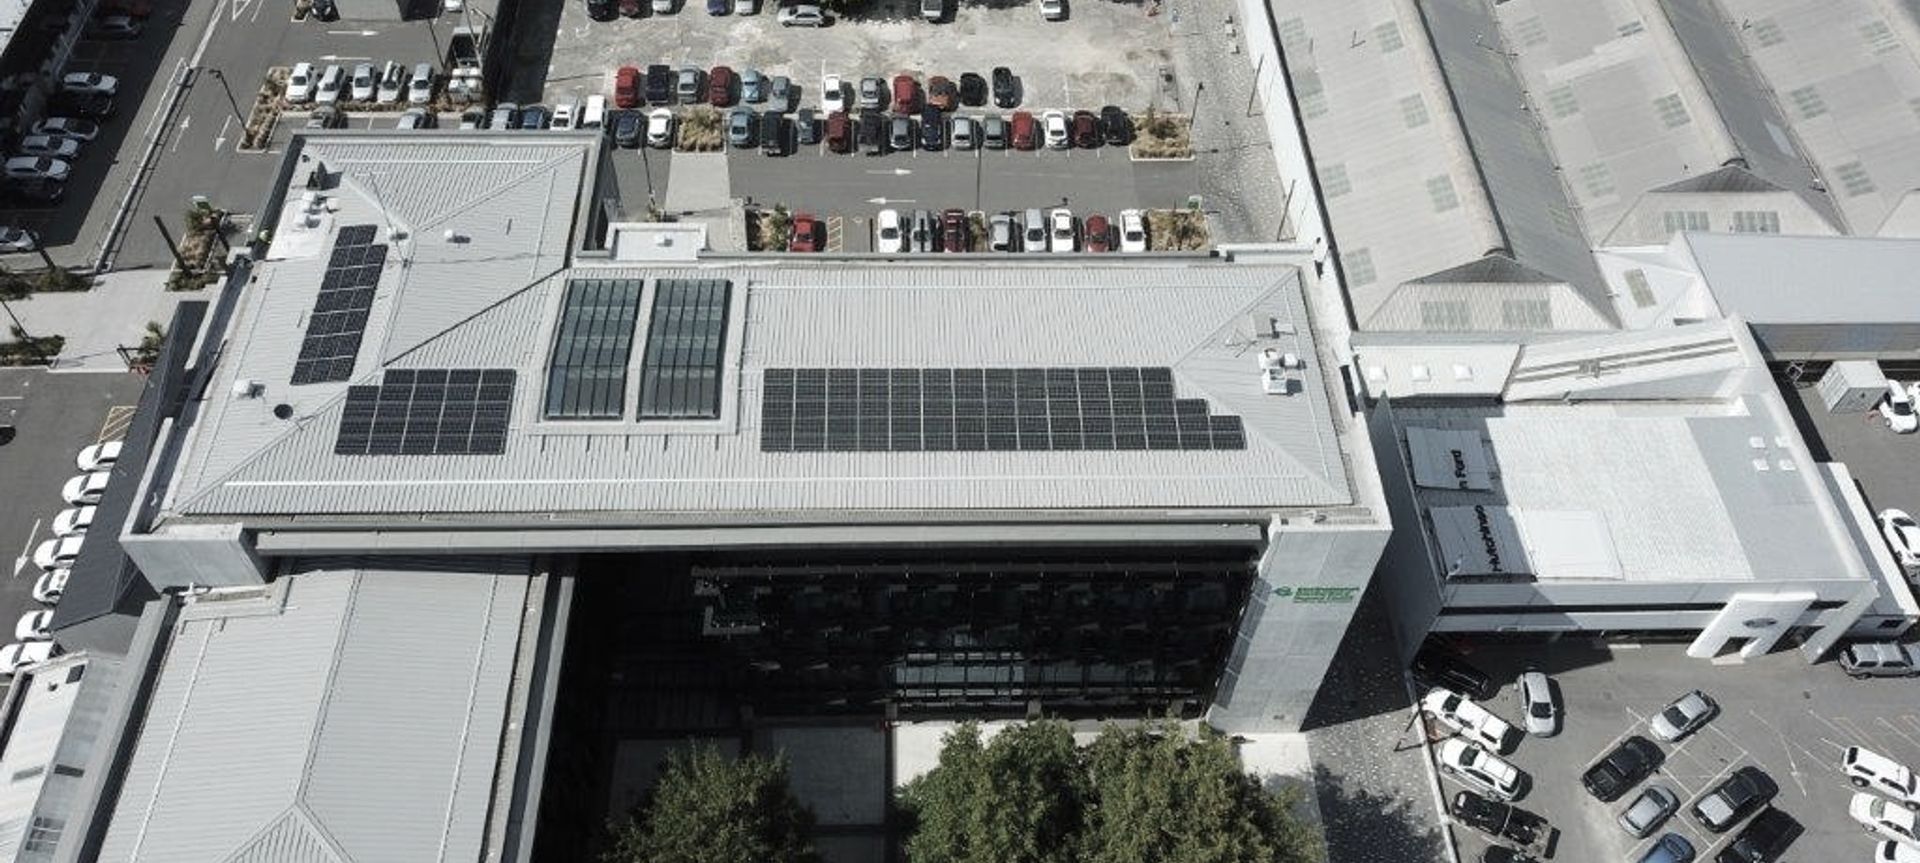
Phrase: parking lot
(1886, 465)
(1790, 720)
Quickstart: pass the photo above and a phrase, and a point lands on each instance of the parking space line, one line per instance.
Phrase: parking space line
(1896, 729)
(1829, 723)
(1793, 764)
(1853, 729)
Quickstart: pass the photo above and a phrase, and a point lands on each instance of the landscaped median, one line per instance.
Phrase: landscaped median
(1162, 137)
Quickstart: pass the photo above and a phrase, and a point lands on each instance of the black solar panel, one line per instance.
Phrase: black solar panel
(976, 410)
(686, 346)
(339, 318)
(588, 376)
(428, 412)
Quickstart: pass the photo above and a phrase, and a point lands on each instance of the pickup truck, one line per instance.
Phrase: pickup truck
(1499, 820)
(1463, 715)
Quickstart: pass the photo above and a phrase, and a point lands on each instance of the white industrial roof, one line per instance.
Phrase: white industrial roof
(57, 710)
(343, 714)
(493, 301)
(1769, 279)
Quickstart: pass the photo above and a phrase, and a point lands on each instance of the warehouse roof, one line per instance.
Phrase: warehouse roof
(688, 389)
(1770, 279)
(345, 712)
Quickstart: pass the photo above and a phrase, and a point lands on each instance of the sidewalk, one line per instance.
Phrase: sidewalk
(98, 321)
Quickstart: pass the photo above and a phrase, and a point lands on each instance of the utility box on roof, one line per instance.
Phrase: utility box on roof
(1852, 386)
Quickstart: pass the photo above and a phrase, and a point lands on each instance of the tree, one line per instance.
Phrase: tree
(1166, 799)
(710, 808)
(1016, 799)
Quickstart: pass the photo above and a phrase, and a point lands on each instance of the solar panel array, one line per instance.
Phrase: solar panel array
(339, 318)
(686, 344)
(968, 410)
(428, 412)
(588, 376)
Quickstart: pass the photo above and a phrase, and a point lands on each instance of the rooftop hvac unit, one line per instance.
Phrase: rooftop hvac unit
(247, 388)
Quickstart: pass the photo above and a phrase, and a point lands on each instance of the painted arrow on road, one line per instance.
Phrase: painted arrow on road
(220, 140)
(898, 172)
(21, 561)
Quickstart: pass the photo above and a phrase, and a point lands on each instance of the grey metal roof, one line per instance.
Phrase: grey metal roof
(1808, 280)
(1197, 317)
(347, 712)
(54, 721)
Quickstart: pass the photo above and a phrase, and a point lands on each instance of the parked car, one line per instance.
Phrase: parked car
(1747, 789)
(933, 129)
(1634, 759)
(361, 86)
(626, 87)
(534, 117)
(1880, 659)
(973, 90)
(1884, 818)
(1133, 231)
(1062, 231)
(1024, 129)
(906, 95)
(806, 127)
(603, 10)
(1099, 233)
(1671, 848)
(116, 27)
(662, 7)
(889, 233)
(34, 626)
(659, 84)
(933, 10)
(1086, 130)
(873, 133)
(630, 127)
(1481, 769)
(802, 15)
(1058, 136)
(1033, 237)
(900, 134)
(1053, 10)
(85, 488)
(1503, 854)
(67, 127)
(1001, 233)
(942, 94)
(781, 94)
(740, 127)
(331, 81)
(807, 231)
(18, 240)
(773, 133)
(833, 94)
(1500, 820)
(38, 168)
(839, 132)
(33, 193)
(50, 586)
(1654, 805)
(416, 118)
(420, 84)
(593, 112)
(920, 235)
(1468, 718)
(1896, 407)
(1006, 91)
(1115, 126)
(51, 146)
(720, 86)
(1903, 536)
(1889, 851)
(753, 86)
(506, 115)
(1683, 717)
(719, 7)
(1873, 771)
(872, 94)
(473, 118)
(326, 117)
(963, 133)
(629, 8)
(1434, 666)
(994, 133)
(15, 658)
(89, 82)
(74, 520)
(393, 82)
(1763, 840)
(92, 106)
(59, 552)
(954, 231)
(686, 86)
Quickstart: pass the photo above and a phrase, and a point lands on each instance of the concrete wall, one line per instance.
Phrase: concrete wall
(207, 555)
(1407, 579)
(1310, 580)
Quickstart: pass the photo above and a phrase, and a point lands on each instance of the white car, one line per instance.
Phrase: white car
(74, 521)
(18, 240)
(1472, 721)
(1889, 851)
(420, 85)
(50, 586)
(16, 657)
(1884, 818)
(1053, 10)
(38, 168)
(52, 146)
(1903, 536)
(564, 112)
(804, 15)
(1479, 768)
(1866, 768)
(833, 94)
(1063, 231)
(90, 82)
(59, 552)
(393, 82)
(1539, 703)
(99, 456)
(363, 83)
(889, 235)
(327, 91)
(34, 626)
(1133, 231)
(68, 127)
(1896, 407)
(662, 7)
(660, 128)
(300, 84)
(1684, 716)
(1055, 122)
(85, 488)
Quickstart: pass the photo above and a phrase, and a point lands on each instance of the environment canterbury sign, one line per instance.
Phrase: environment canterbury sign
(1318, 595)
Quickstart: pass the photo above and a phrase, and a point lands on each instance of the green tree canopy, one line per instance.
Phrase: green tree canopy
(1015, 799)
(711, 808)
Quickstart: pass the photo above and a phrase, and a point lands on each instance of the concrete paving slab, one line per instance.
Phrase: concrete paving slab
(96, 322)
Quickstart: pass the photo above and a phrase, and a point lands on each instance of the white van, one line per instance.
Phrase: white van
(1871, 770)
(595, 114)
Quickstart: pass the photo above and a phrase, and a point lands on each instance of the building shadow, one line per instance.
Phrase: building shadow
(1363, 827)
(530, 30)
(1365, 678)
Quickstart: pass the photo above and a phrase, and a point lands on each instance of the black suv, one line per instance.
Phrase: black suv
(1497, 819)
(973, 90)
(1765, 839)
(773, 133)
(1436, 667)
(873, 133)
(659, 84)
(1633, 760)
(1005, 93)
(1115, 127)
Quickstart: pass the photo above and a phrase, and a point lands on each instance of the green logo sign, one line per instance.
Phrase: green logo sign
(1318, 595)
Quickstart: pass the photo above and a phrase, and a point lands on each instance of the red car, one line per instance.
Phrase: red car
(839, 132)
(630, 8)
(953, 231)
(1086, 130)
(720, 86)
(941, 93)
(806, 234)
(906, 95)
(1099, 235)
(1023, 130)
(626, 87)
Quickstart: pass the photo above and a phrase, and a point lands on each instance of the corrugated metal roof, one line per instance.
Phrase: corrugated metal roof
(1808, 280)
(50, 736)
(353, 713)
(1198, 318)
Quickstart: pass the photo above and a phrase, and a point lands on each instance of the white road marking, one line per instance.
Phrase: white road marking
(184, 123)
(1896, 729)
(26, 551)
(220, 140)
(1793, 765)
